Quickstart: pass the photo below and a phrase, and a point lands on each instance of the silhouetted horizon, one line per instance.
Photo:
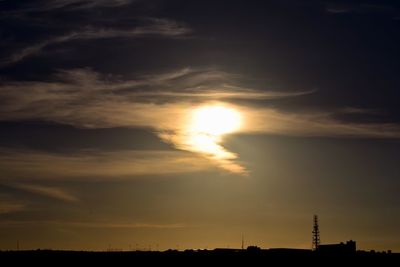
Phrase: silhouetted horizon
(248, 256)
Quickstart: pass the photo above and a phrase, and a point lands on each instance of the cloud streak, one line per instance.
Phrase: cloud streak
(28, 165)
(84, 98)
(361, 8)
(46, 191)
(151, 27)
(317, 123)
(84, 224)
(162, 102)
(8, 205)
(68, 5)
(78, 4)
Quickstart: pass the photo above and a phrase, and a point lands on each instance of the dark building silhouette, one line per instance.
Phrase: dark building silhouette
(253, 249)
(348, 247)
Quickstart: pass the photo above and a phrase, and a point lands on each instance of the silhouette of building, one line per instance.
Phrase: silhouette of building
(341, 248)
(253, 249)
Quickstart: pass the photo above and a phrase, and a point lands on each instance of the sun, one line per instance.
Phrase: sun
(204, 133)
(215, 120)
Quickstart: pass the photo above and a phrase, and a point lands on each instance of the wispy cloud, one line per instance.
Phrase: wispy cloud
(361, 8)
(151, 26)
(8, 205)
(69, 5)
(163, 102)
(82, 4)
(84, 98)
(85, 224)
(47, 191)
(91, 165)
(317, 123)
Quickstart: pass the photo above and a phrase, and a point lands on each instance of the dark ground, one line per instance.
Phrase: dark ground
(190, 258)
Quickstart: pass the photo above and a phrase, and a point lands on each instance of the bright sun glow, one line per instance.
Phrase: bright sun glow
(215, 120)
(205, 130)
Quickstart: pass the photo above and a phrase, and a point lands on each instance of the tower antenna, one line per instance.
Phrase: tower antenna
(315, 237)
(242, 242)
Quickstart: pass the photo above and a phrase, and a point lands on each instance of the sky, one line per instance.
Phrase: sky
(133, 124)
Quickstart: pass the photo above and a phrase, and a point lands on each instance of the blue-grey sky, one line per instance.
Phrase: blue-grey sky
(185, 124)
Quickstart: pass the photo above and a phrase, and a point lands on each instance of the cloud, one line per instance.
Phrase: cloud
(47, 191)
(84, 98)
(8, 205)
(317, 123)
(26, 165)
(151, 26)
(361, 8)
(163, 102)
(82, 4)
(70, 5)
(83, 224)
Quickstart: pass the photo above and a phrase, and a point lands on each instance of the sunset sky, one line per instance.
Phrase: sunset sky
(155, 124)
